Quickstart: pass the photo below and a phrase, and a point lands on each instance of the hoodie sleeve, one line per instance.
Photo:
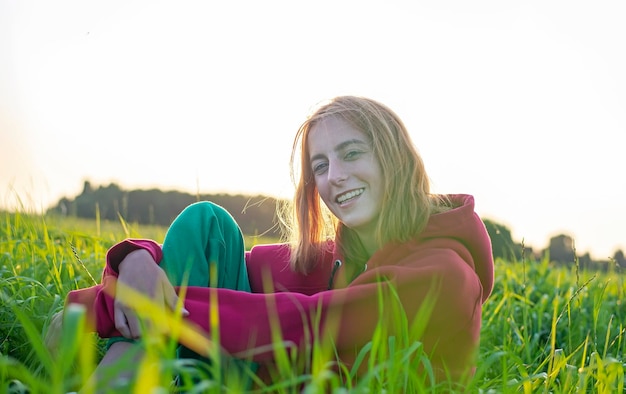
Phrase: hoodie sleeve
(119, 251)
(438, 281)
(88, 296)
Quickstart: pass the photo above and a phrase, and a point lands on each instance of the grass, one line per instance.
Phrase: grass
(546, 329)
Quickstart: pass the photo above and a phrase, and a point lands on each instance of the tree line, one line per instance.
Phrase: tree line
(256, 215)
(561, 250)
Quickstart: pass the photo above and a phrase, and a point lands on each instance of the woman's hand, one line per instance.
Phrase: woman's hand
(139, 272)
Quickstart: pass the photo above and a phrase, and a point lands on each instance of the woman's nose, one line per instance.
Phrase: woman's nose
(337, 172)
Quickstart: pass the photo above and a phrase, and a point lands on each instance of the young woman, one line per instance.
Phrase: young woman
(369, 240)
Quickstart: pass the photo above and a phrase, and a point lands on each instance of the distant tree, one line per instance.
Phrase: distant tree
(561, 249)
(619, 258)
(502, 242)
(64, 206)
(527, 252)
(584, 261)
(87, 187)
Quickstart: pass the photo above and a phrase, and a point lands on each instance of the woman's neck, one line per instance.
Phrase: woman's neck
(369, 243)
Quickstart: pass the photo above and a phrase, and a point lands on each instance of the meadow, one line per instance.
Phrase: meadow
(546, 328)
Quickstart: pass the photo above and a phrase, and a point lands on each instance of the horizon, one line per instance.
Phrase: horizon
(520, 105)
(534, 248)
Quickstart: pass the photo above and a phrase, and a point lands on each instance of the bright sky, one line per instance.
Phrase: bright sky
(522, 104)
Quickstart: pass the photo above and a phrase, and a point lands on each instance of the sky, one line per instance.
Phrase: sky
(521, 104)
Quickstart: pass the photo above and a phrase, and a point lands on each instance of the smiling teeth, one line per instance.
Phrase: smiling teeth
(349, 195)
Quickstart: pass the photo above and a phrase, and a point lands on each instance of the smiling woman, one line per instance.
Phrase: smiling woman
(389, 247)
(368, 138)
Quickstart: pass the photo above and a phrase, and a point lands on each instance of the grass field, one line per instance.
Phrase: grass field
(546, 329)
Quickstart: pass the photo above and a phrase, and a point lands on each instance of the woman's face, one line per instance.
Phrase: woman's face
(347, 175)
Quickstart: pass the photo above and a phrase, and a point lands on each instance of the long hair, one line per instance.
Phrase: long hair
(407, 203)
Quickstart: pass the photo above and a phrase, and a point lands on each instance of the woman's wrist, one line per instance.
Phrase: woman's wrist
(139, 256)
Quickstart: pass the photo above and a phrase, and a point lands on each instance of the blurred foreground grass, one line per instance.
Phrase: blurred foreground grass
(545, 328)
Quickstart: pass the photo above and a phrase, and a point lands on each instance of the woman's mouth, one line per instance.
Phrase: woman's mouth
(342, 198)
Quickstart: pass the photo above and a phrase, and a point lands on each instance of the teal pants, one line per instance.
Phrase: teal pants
(204, 247)
(205, 236)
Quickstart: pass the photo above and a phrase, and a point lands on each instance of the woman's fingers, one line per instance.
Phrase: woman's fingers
(131, 325)
(121, 320)
(171, 298)
(134, 325)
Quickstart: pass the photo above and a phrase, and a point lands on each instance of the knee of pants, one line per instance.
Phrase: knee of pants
(202, 208)
(202, 234)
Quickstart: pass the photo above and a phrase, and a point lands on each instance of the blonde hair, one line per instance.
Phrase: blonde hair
(407, 203)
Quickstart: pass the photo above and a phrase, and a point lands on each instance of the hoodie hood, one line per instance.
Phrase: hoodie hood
(461, 223)
(459, 228)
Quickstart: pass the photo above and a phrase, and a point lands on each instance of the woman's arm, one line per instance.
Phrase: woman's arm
(440, 295)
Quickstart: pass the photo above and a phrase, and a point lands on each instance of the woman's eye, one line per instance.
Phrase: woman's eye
(353, 154)
(319, 168)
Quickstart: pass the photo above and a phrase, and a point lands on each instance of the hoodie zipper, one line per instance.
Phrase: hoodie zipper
(336, 265)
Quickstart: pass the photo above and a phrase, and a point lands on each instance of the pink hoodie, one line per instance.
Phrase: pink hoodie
(453, 254)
